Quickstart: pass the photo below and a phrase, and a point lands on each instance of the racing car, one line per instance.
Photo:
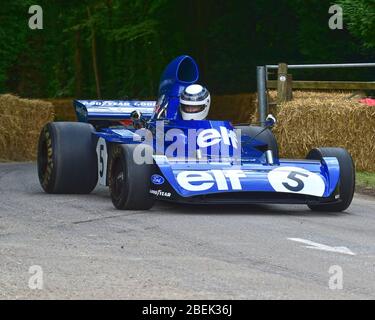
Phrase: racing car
(218, 163)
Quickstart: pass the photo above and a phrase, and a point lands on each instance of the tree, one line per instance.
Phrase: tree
(359, 16)
(13, 35)
(119, 48)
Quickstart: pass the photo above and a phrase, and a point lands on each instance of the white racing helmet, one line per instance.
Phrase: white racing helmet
(195, 103)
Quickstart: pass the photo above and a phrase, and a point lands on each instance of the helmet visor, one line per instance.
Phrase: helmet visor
(192, 109)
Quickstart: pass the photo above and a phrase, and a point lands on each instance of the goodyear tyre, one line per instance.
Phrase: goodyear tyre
(346, 182)
(67, 161)
(129, 182)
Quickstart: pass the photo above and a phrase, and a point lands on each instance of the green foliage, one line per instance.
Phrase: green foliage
(13, 35)
(128, 33)
(121, 46)
(359, 16)
(316, 41)
(366, 179)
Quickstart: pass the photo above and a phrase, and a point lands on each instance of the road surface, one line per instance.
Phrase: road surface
(80, 247)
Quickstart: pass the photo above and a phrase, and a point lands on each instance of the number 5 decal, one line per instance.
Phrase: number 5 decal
(101, 151)
(293, 176)
(296, 180)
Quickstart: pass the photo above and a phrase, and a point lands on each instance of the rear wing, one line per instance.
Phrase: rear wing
(88, 110)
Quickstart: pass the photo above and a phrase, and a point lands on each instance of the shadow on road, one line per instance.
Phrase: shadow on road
(249, 209)
(164, 207)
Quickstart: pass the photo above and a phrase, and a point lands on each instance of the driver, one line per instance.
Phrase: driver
(195, 102)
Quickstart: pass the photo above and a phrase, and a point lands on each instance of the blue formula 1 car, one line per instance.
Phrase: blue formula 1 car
(144, 151)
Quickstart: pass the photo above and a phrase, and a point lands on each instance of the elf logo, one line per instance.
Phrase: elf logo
(210, 137)
(204, 180)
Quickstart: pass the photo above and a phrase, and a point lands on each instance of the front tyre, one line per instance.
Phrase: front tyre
(347, 178)
(265, 136)
(129, 182)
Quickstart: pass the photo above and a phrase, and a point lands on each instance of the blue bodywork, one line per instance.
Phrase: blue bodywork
(245, 175)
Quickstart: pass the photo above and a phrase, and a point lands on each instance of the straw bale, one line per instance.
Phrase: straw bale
(20, 123)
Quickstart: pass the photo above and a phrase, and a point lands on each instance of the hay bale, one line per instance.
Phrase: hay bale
(317, 119)
(64, 110)
(237, 108)
(20, 123)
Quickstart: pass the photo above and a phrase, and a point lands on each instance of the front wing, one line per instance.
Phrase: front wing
(290, 181)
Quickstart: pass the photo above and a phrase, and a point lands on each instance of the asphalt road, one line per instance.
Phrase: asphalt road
(83, 248)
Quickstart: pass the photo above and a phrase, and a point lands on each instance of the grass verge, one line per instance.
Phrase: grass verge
(365, 183)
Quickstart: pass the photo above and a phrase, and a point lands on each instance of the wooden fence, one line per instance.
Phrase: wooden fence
(285, 84)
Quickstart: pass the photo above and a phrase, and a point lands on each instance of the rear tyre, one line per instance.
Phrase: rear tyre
(67, 161)
(129, 182)
(347, 178)
(267, 137)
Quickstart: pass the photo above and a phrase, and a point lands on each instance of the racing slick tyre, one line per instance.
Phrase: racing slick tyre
(129, 182)
(266, 136)
(346, 182)
(67, 161)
